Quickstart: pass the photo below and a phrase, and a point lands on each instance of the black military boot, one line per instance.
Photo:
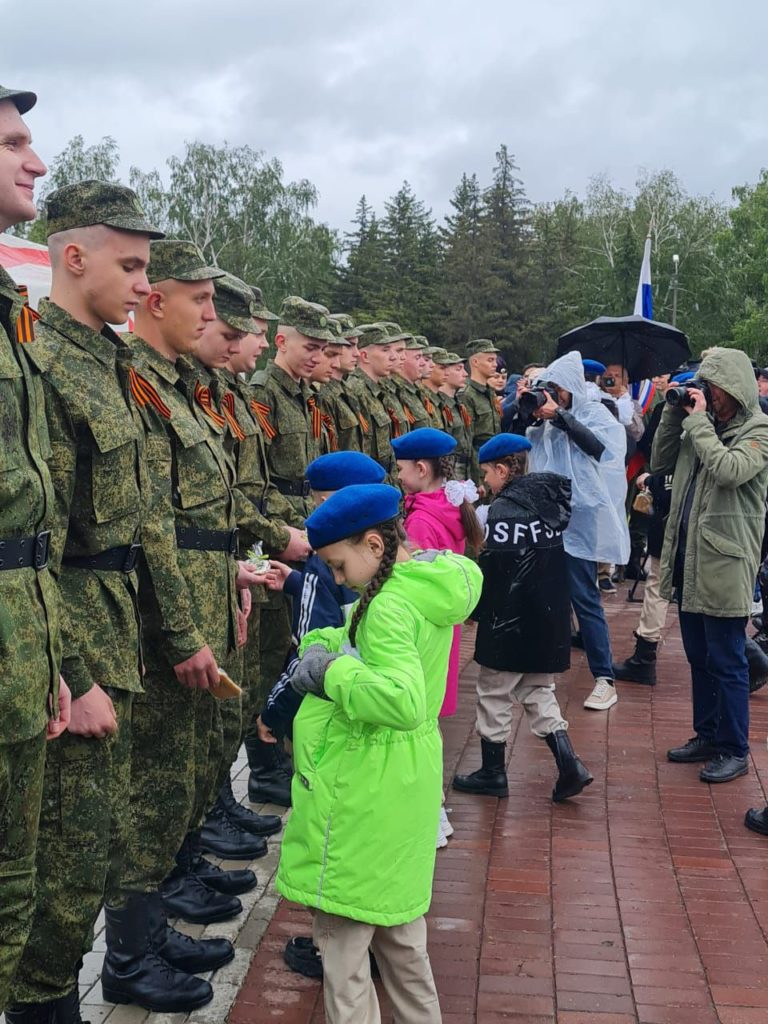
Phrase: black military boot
(68, 1008)
(757, 660)
(491, 779)
(755, 819)
(186, 895)
(573, 775)
(231, 883)
(270, 778)
(256, 824)
(640, 666)
(31, 1013)
(134, 972)
(193, 956)
(227, 838)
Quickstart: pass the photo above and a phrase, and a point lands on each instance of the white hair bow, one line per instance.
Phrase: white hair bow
(458, 491)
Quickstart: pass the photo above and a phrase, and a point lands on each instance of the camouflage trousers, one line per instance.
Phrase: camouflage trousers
(275, 643)
(176, 735)
(230, 715)
(21, 790)
(83, 834)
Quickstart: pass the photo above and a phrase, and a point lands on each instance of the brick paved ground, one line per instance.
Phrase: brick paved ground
(645, 900)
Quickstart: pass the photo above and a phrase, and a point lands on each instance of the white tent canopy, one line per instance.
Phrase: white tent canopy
(27, 263)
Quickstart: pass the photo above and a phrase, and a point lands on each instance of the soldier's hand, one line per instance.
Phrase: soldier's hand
(265, 734)
(242, 626)
(200, 672)
(248, 577)
(56, 726)
(93, 714)
(297, 549)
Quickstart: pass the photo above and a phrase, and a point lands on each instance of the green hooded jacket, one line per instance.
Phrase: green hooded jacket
(360, 841)
(727, 519)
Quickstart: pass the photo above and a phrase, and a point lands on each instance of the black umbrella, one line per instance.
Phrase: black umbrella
(646, 348)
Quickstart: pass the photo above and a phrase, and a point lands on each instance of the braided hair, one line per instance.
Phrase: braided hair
(393, 535)
(444, 468)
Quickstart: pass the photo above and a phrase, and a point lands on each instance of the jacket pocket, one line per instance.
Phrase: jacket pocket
(722, 544)
(114, 465)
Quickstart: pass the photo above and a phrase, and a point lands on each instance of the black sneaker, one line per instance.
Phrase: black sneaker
(606, 586)
(303, 957)
(696, 749)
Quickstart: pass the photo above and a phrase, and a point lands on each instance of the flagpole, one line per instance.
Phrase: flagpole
(676, 264)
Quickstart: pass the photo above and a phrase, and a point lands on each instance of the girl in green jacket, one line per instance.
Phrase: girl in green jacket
(359, 846)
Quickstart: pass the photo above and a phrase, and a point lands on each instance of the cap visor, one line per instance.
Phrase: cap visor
(136, 224)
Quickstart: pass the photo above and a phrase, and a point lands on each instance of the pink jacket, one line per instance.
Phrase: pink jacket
(432, 522)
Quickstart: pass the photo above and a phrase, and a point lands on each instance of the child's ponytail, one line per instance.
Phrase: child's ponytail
(444, 467)
(393, 535)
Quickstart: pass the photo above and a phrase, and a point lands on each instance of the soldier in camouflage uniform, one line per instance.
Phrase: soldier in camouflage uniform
(427, 396)
(99, 247)
(29, 632)
(337, 400)
(392, 403)
(407, 380)
(455, 417)
(377, 361)
(292, 426)
(480, 400)
(432, 383)
(328, 369)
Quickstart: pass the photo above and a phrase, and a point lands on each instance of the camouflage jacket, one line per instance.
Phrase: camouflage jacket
(266, 513)
(482, 405)
(431, 402)
(96, 471)
(284, 407)
(370, 396)
(412, 402)
(456, 423)
(343, 407)
(29, 605)
(399, 424)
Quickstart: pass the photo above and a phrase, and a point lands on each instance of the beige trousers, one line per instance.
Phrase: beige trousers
(653, 616)
(498, 692)
(401, 954)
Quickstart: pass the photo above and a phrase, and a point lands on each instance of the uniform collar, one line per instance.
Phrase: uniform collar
(102, 345)
(163, 367)
(482, 388)
(285, 380)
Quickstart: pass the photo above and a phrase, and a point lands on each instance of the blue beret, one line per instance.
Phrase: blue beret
(682, 378)
(501, 446)
(424, 443)
(350, 511)
(593, 366)
(340, 469)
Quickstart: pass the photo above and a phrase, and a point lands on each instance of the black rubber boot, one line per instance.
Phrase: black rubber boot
(226, 838)
(573, 775)
(193, 956)
(757, 660)
(186, 895)
(491, 779)
(270, 778)
(32, 1013)
(256, 824)
(134, 973)
(640, 667)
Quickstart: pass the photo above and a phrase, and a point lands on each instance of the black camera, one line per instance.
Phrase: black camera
(530, 401)
(680, 395)
(608, 382)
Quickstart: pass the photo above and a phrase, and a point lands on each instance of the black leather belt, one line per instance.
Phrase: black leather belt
(191, 538)
(25, 552)
(120, 559)
(294, 488)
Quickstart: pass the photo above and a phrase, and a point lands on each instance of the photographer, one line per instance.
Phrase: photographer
(714, 439)
(578, 438)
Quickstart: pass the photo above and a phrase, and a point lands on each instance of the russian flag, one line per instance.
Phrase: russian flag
(644, 296)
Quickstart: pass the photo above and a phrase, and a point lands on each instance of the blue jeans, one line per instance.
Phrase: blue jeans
(714, 648)
(585, 598)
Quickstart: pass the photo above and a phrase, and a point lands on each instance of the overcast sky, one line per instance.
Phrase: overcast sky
(357, 96)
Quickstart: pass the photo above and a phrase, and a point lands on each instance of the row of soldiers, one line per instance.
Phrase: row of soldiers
(136, 472)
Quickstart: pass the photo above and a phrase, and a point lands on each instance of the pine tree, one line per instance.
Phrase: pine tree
(360, 280)
(464, 263)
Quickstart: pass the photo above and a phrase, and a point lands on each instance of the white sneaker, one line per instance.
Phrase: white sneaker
(442, 838)
(445, 825)
(603, 696)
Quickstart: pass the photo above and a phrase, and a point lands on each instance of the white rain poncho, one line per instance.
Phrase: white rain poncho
(598, 527)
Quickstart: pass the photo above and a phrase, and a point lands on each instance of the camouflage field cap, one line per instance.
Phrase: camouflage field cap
(260, 311)
(347, 325)
(444, 358)
(235, 304)
(96, 202)
(23, 101)
(480, 345)
(395, 331)
(337, 330)
(430, 350)
(437, 353)
(172, 259)
(372, 334)
(308, 318)
(416, 341)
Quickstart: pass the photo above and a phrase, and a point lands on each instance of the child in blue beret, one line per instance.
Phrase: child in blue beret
(523, 618)
(359, 846)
